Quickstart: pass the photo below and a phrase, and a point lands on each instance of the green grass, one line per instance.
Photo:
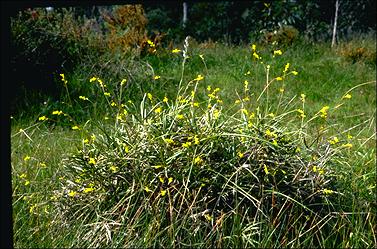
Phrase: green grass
(324, 77)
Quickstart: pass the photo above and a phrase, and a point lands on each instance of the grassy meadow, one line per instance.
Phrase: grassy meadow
(212, 145)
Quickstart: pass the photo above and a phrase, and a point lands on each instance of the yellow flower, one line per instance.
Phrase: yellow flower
(87, 190)
(274, 142)
(180, 116)
(216, 113)
(163, 192)
(92, 79)
(113, 103)
(278, 52)
(246, 84)
(279, 78)
(26, 158)
(106, 94)
(101, 83)
(175, 51)
(271, 133)
(303, 97)
(83, 98)
(42, 118)
(347, 96)
(123, 82)
(253, 47)
(92, 161)
(114, 169)
(334, 140)
(323, 111)
(72, 193)
(168, 141)
(208, 217)
(147, 189)
(170, 179)
(302, 114)
(27, 182)
(281, 90)
(256, 56)
(151, 43)
(57, 112)
(158, 110)
(294, 72)
(208, 88)
(199, 77)
(186, 145)
(211, 96)
(247, 73)
(240, 154)
(165, 99)
(156, 77)
(286, 67)
(196, 140)
(195, 104)
(149, 95)
(314, 168)
(23, 175)
(201, 56)
(198, 160)
(75, 127)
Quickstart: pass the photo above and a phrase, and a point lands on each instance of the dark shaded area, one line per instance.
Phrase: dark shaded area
(37, 57)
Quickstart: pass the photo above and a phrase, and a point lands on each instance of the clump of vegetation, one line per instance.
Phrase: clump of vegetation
(355, 53)
(284, 35)
(186, 171)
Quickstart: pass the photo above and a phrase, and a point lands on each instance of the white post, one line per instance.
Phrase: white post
(184, 14)
(335, 22)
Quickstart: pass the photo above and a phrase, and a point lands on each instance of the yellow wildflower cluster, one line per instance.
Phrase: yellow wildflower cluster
(301, 112)
(63, 79)
(303, 96)
(57, 112)
(42, 118)
(278, 52)
(334, 140)
(83, 98)
(198, 160)
(320, 170)
(286, 67)
(271, 133)
(323, 111)
(199, 77)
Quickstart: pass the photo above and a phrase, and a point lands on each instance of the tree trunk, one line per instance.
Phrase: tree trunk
(335, 22)
(184, 14)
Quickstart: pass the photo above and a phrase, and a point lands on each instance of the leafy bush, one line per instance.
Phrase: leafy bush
(185, 171)
(284, 36)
